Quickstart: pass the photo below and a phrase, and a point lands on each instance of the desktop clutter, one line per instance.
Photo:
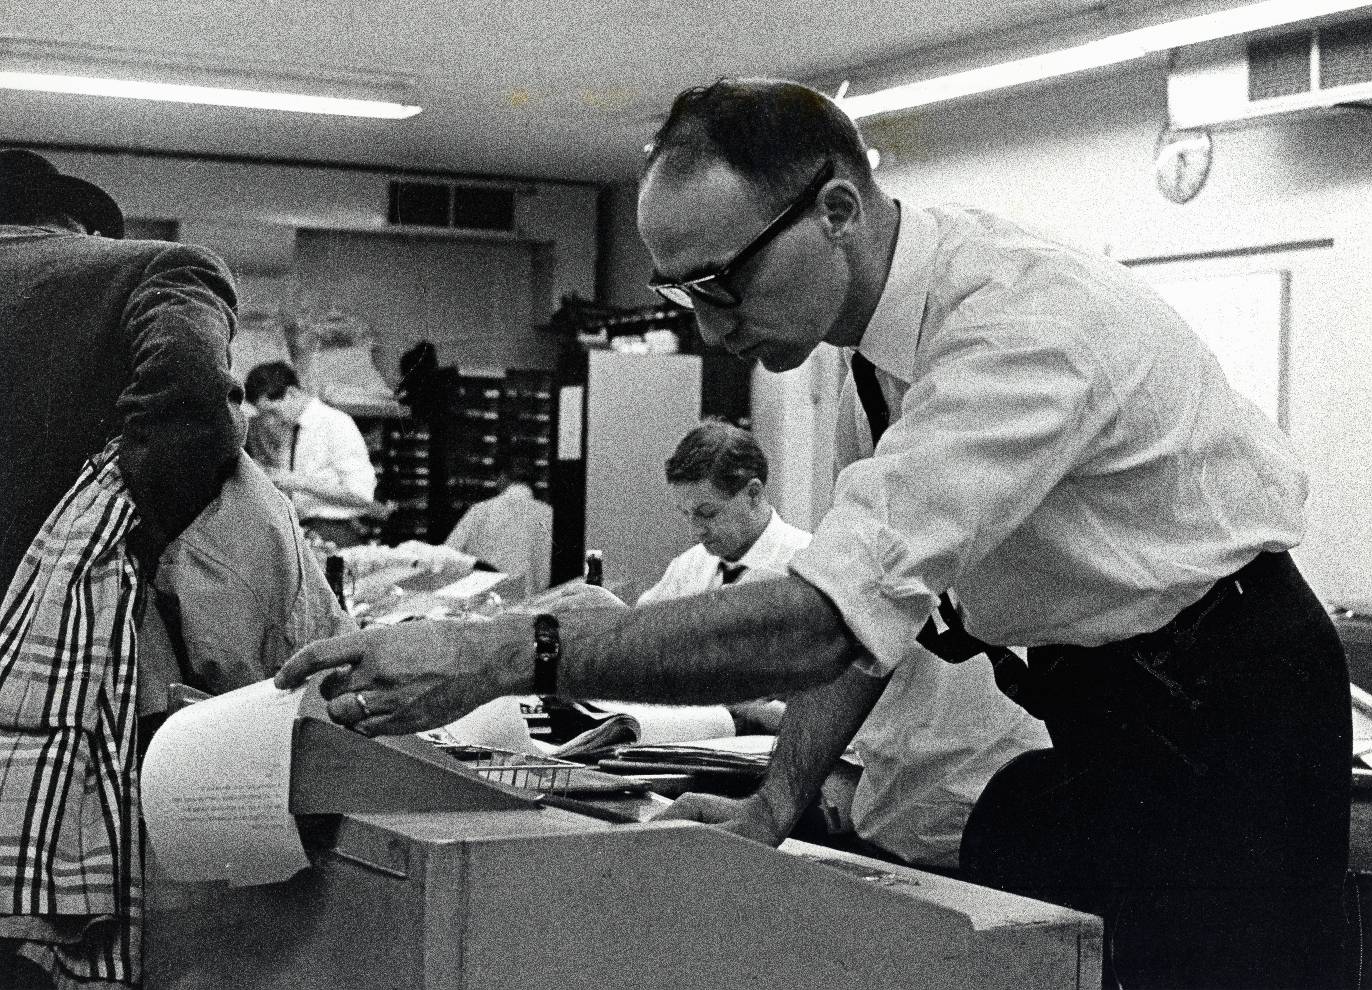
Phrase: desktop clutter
(615, 748)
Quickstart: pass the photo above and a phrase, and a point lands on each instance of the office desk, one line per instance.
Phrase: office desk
(547, 898)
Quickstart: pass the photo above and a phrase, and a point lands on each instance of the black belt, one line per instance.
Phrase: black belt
(1024, 682)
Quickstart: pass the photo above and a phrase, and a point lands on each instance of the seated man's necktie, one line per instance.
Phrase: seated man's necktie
(729, 573)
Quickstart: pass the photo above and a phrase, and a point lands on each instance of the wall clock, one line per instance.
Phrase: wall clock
(1181, 161)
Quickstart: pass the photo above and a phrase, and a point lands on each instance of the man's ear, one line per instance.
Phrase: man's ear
(840, 208)
(754, 489)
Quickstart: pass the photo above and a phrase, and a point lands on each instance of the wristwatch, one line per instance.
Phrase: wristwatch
(547, 653)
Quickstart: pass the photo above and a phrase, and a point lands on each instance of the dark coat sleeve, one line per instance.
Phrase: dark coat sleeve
(181, 426)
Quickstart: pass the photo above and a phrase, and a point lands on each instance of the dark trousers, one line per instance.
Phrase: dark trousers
(1196, 795)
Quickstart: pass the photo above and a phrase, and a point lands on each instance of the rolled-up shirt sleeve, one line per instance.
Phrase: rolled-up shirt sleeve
(985, 432)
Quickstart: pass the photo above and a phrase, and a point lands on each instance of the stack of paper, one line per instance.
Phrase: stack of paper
(739, 756)
(614, 723)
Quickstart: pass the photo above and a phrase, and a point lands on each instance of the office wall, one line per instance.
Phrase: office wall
(1074, 158)
(250, 213)
(627, 266)
(471, 299)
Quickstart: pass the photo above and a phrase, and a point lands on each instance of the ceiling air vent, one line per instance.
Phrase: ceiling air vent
(445, 204)
(1237, 80)
(1346, 54)
(1279, 66)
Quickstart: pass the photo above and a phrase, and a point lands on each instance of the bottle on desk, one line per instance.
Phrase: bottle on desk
(595, 570)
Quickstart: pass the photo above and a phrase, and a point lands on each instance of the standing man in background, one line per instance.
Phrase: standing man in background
(325, 468)
(119, 422)
(1055, 444)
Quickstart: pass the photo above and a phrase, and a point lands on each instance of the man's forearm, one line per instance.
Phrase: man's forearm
(329, 490)
(746, 641)
(817, 727)
(737, 644)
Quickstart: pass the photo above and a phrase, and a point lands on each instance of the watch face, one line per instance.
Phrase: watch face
(1181, 162)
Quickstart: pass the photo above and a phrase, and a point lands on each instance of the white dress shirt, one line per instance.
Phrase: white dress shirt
(1064, 451)
(697, 570)
(934, 738)
(512, 532)
(329, 448)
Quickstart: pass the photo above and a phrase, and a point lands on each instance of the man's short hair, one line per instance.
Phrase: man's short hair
(269, 381)
(774, 133)
(718, 452)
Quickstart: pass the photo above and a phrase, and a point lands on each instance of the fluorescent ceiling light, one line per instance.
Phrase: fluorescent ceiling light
(1112, 50)
(212, 95)
(51, 66)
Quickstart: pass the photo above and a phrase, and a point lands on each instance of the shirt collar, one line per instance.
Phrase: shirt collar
(887, 340)
(764, 548)
(311, 414)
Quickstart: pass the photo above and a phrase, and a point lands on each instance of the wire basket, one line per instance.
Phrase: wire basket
(544, 774)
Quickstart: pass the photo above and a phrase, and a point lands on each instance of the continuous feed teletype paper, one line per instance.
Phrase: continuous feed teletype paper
(216, 789)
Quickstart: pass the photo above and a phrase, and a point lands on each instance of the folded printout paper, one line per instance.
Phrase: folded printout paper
(216, 789)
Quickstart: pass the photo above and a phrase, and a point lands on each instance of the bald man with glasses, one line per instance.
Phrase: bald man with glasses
(1035, 429)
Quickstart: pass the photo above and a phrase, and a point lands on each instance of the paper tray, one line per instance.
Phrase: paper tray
(544, 774)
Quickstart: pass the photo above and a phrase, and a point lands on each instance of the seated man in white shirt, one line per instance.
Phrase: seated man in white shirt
(717, 477)
(324, 465)
(938, 732)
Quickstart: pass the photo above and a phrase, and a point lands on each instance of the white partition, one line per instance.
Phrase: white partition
(1242, 317)
(637, 408)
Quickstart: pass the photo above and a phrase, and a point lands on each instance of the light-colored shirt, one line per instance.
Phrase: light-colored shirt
(932, 741)
(1064, 451)
(697, 570)
(245, 588)
(329, 448)
(936, 735)
(512, 532)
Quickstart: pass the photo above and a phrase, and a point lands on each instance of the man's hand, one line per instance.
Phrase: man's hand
(571, 597)
(390, 680)
(578, 595)
(751, 818)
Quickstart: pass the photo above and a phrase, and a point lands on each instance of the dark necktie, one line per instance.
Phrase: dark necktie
(729, 573)
(955, 644)
(295, 441)
(869, 394)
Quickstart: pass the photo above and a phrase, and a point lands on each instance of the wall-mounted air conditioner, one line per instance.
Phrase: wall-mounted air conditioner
(1236, 80)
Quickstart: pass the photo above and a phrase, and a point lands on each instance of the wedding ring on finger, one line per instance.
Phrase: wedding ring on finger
(362, 704)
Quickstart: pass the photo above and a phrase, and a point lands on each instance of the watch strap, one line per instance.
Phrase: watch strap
(547, 653)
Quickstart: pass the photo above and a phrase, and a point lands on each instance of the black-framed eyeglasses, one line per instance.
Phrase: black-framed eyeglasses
(714, 287)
